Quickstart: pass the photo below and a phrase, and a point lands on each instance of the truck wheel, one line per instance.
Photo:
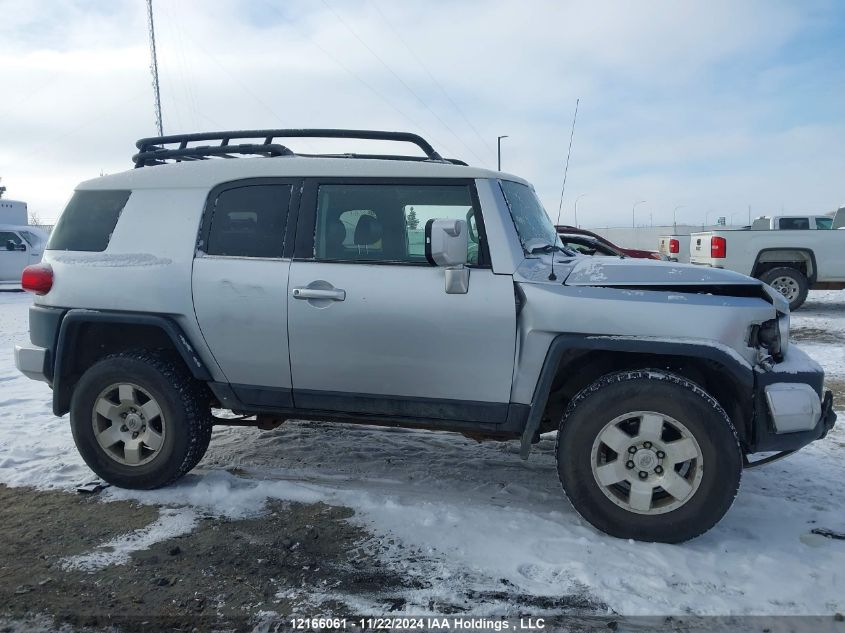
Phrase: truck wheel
(648, 455)
(140, 420)
(790, 282)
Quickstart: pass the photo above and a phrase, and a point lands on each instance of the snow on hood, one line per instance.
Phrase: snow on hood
(608, 271)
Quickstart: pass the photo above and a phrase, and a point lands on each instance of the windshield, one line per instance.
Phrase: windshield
(532, 223)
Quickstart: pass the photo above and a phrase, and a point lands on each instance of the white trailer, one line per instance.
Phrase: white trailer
(13, 212)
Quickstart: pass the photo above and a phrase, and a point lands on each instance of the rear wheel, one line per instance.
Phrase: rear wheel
(140, 420)
(790, 282)
(648, 455)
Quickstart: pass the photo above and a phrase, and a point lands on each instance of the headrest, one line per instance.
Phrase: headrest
(367, 231)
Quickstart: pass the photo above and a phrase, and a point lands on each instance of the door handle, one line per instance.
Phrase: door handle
(316, 293)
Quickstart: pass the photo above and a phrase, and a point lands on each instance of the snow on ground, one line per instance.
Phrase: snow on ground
(480, 517)
(173, 522)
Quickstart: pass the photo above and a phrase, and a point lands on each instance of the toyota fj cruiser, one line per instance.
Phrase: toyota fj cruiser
(411, 291)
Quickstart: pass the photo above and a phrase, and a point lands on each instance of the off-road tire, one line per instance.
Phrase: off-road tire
(796, 275)
(660, 391)
(183, 400)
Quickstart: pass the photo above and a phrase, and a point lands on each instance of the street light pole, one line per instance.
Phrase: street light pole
(633, 217)
(675, 217)
(499, 149)
(576, 208)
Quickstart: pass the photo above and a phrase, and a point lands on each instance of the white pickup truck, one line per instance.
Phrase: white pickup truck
(792, 223)
(675, 248)
(790, 260)
(20, 245)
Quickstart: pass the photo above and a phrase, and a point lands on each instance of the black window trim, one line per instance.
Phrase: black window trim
(307, 220)
(290, 226)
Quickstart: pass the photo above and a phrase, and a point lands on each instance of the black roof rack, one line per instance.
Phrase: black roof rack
(155, 150)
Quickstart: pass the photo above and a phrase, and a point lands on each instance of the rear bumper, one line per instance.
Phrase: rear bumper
(32, 361)
(791, 408)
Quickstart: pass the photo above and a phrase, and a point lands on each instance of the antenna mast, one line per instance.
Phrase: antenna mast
(154, 67)
(568, 154)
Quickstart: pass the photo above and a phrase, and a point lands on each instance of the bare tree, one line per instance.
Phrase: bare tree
(34, 218)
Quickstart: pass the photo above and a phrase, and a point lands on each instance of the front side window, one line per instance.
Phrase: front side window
(533, 225)
(88, 221)
(386, 223)
(8, 236)
(249, 221)
(824, 223)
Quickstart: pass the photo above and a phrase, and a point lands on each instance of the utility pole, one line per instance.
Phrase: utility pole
(499, 149)
(576, 208)
(154, 67)
(675, 217)
(633, 217)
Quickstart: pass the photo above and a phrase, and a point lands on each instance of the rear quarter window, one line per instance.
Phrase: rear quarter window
(88, 221)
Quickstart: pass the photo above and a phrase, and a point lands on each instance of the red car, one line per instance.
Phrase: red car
(629, 252)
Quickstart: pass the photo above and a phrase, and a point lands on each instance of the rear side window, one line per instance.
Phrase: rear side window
(249, 221)
(88, 221)
(794, 224)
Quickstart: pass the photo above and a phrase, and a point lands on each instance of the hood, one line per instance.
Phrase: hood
(609, 271)
(634, 277)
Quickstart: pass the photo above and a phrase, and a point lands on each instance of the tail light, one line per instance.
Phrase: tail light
(37, 278)
(674, 246)
(718, 247)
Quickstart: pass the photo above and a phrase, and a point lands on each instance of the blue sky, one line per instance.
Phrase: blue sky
(711, 105)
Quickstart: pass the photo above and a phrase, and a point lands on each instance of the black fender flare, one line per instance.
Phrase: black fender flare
(69, 329)
(564, 343)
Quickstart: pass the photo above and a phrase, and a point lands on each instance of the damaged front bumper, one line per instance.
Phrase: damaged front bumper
(791, 408)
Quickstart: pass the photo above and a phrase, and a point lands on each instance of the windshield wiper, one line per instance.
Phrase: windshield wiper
(551, 248)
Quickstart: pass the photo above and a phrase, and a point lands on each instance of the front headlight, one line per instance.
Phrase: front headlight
(773, 335)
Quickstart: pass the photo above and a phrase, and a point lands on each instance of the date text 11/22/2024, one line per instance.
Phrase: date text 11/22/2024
(419, 624)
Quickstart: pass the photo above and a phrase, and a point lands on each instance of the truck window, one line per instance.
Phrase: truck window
(375, 222)
(794, 224)
(249, 221)
(8, 236)
(824, 223)
(88, 221)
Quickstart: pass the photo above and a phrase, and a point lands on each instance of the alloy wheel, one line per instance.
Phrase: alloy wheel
(647, 462)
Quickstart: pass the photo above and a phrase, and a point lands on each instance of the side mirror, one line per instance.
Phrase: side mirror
(21, 247)
(446, 242)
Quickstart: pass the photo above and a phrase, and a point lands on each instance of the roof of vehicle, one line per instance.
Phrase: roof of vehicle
(207, 173)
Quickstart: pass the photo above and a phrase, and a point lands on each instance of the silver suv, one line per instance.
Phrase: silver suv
(403, 291)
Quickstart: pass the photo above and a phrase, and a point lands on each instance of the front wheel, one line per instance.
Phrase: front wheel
(648, 455)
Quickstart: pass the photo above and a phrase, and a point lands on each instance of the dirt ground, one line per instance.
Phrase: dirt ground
(223, 575)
